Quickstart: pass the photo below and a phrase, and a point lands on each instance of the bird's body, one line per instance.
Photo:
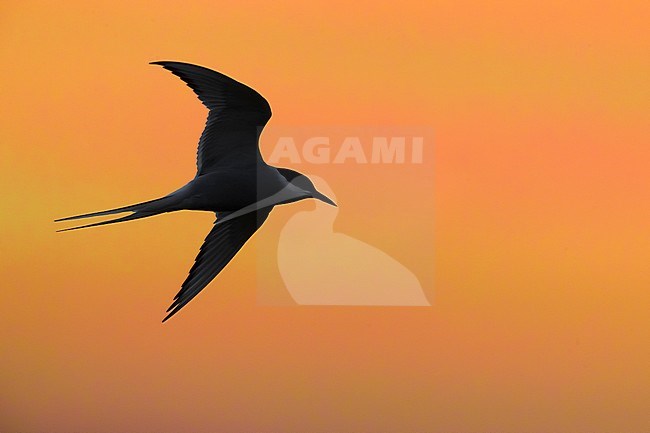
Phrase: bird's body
(230, 189)
(232, 179)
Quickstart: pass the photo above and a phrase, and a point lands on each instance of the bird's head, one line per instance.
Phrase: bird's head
(304, 183)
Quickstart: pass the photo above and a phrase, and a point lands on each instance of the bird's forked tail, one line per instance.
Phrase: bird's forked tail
(139, 210)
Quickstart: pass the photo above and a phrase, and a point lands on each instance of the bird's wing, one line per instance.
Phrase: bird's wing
(219, 247)
(236, 118)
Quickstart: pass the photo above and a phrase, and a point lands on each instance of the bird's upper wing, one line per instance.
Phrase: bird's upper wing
(236, 118)
(219, 247)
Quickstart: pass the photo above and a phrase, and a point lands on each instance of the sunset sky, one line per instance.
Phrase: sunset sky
(528, 225)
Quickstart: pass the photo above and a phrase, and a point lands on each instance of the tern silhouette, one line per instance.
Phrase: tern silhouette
(232, 179)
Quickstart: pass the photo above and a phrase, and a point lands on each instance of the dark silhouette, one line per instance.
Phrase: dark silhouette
(232, 179)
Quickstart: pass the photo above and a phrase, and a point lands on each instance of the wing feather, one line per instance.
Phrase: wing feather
(236, 118)
(219, 247)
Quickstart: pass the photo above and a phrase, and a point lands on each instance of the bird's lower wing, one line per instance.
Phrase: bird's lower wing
(219, 247)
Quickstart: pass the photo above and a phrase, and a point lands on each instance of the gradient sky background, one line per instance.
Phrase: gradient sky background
(542, 219)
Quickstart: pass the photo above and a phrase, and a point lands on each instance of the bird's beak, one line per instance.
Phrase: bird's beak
(323, 197)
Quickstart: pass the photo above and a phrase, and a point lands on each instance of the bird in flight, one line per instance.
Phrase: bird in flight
(232, 180)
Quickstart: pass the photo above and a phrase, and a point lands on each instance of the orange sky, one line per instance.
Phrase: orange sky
(533, 246)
